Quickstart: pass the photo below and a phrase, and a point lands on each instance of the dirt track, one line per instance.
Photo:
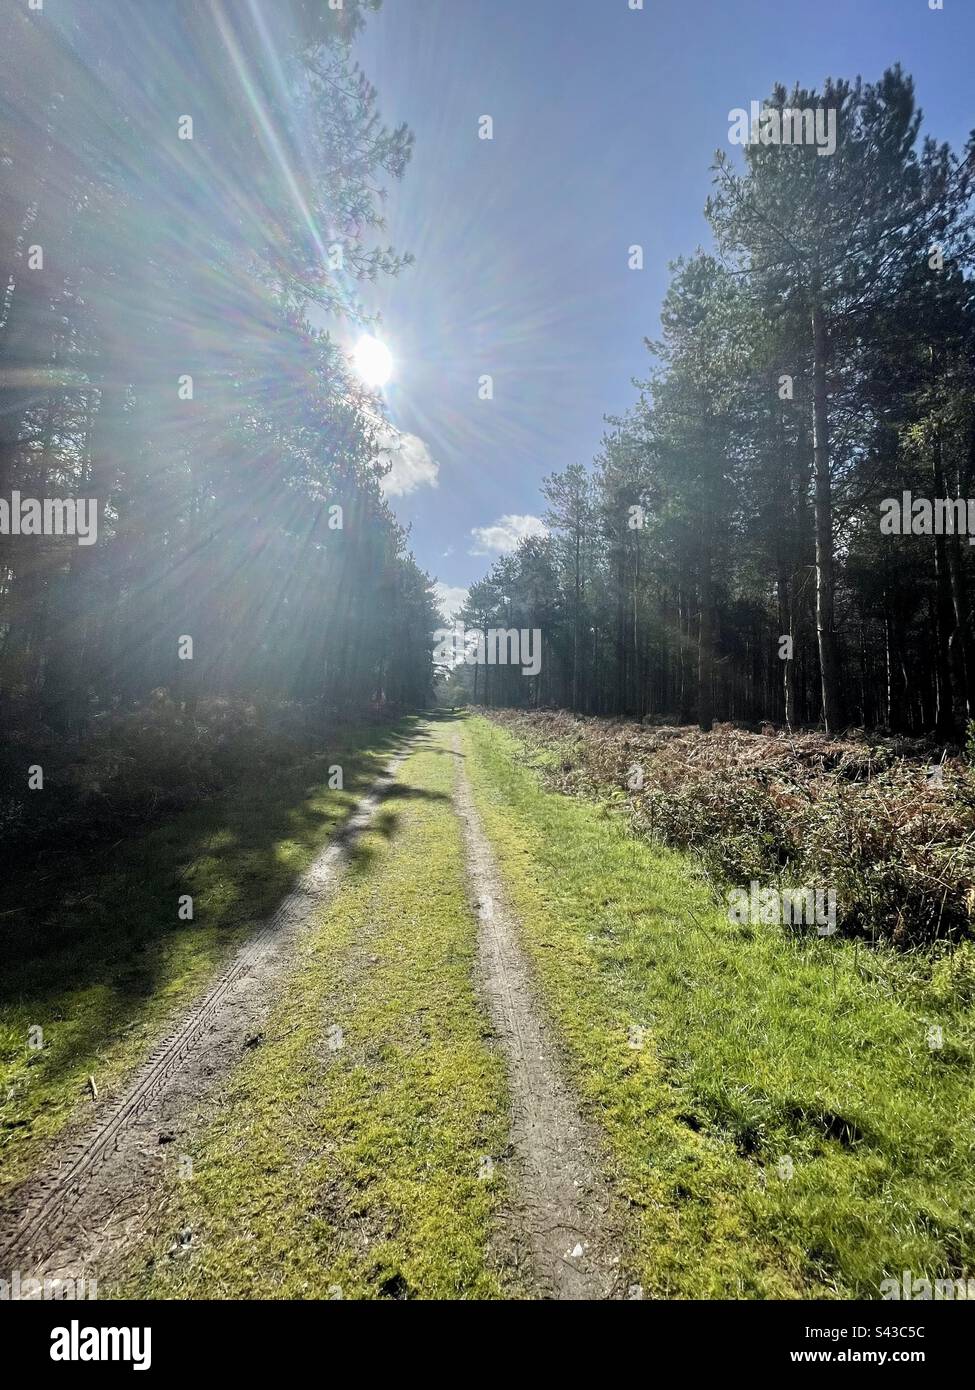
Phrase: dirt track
(87, 1211)
(562, 1204)
(81, 1212)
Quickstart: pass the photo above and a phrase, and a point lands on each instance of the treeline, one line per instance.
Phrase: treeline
(724, 558)
(187, 198)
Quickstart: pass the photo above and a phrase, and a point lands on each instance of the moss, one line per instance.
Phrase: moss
(357, 1168)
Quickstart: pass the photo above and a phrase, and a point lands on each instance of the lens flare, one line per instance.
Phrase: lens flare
(372, 360)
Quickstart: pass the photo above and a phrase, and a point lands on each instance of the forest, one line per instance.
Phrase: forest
(175, 252)
(731, 553)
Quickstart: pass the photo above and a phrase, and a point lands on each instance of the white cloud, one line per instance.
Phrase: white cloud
(451, 598)
(505, 534)
(412, 466)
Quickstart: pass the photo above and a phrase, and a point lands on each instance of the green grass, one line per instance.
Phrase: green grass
(357, 1169)
(92, 950)
(757, 1049)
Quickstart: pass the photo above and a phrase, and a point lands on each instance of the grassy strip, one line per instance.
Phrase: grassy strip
(353, 1171)
(93, 953)
(782, 1128)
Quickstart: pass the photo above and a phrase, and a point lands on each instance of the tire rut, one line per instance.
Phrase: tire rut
(563, 1203)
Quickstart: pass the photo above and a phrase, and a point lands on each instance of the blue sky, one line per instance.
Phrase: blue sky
(605, 123)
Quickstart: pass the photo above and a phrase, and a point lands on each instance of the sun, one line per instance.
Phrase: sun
(372, 360)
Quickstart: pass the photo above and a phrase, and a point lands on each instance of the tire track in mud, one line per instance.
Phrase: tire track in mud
(90, 1199)
(563, 1204)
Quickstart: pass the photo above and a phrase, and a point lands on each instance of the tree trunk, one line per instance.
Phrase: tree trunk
(705, 647)
(577, 621)
(950, 720)
(825, 634)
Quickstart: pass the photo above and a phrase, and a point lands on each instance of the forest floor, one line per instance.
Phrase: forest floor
(512, 1049)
